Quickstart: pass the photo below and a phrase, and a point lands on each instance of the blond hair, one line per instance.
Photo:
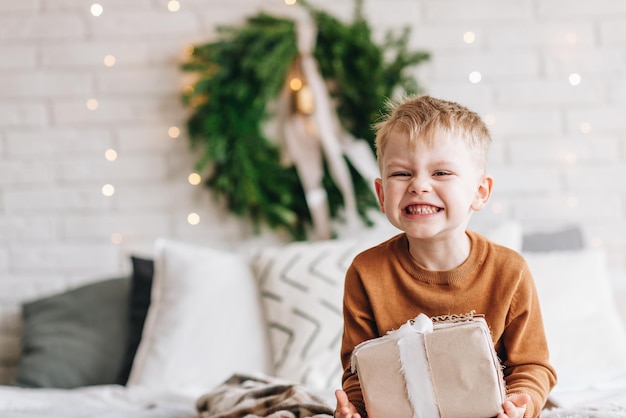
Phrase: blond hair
(424, 118)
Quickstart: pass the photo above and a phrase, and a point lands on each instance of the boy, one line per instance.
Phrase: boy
(432, 157)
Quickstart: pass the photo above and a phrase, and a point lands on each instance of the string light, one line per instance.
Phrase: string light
(96, 9)
(173, 132)
(489, 119)
(116, 238)
(173, 6)
(585, 127)
(109, 60)
(475, 77)
(193, 218)
(194, 179)
(92, 104)
(110, 154)
(497, 208)
(290, 2)
(469, 37)
(295, 84)
(108, 190)
(574, 79)
(570, 157)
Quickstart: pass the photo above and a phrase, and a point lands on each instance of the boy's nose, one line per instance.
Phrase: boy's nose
(420, 184)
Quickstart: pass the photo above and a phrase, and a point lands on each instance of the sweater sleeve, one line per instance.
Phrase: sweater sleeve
(359, 326)
(524, 350)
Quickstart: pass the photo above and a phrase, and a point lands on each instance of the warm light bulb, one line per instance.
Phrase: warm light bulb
(173, 6)
(290, 2)
(295, 84)
(497, 208)
(469, 37)
(193, 218)
(108, 190)
(109, 60)
(585, 127)
(173, 132)
(96, 9)
(110, 154)
(574, 79)
(194, 179)
(116, 238)
(92, 104)
(475, 77)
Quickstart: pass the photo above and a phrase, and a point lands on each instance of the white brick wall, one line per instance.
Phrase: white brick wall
(55, 221)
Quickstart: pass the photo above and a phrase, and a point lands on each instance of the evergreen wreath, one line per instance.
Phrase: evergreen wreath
(243, 71)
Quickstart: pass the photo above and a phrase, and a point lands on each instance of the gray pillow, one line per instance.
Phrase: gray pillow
(77, 338)
(564, 239)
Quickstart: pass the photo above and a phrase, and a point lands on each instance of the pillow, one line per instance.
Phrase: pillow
(566, 238)
(204, 322)
(77, 338)
(302, 294)
(141, 286)
(585, 334)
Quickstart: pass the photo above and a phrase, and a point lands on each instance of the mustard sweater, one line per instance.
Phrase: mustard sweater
(385, 287)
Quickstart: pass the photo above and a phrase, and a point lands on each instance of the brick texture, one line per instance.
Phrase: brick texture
(559, 155)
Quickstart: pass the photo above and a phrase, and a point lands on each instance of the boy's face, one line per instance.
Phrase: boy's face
(429, 192)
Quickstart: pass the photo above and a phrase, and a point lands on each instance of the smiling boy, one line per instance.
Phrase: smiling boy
(432, 156)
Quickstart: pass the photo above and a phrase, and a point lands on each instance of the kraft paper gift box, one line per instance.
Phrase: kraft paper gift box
(448, 369)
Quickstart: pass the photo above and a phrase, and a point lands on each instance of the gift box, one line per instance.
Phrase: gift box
(441, 367)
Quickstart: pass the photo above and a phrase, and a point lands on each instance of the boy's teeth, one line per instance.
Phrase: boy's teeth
(421, 209)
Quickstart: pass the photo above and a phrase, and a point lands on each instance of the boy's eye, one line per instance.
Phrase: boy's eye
(400, 174)
(440, 173)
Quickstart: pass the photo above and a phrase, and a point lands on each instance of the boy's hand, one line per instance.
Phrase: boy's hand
(515, 406)
(344, 408)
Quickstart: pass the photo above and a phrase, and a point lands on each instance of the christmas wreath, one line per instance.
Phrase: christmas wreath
(246, 69)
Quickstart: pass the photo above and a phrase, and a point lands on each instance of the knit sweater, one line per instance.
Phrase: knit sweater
(385, 287)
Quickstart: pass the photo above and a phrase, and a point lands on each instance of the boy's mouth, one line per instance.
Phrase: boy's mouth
(421, 210)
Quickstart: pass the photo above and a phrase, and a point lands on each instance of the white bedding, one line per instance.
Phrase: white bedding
(107, 401)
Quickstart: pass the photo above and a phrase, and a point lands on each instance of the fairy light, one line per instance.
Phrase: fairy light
(193, 218)
(173, 6)
(475, 77)
(92, 104)
(570, 157)
(109, 60)
(469, 37)
(295, 84)
(574, 79)
(497, 208)
(108, 190)
(173, 132)
(489, 119)
(194, 179)
(96, 9)
(585, 127)
(290, 2)
(116, 238)
(110, 155)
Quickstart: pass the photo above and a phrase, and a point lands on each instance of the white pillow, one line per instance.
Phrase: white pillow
(302, 293)
(586, 337)
(205, 320)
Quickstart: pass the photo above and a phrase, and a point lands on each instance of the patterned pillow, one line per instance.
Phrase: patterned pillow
(301, 288)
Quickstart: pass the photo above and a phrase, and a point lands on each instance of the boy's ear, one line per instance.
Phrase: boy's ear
(378, 184)
(483, 193)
